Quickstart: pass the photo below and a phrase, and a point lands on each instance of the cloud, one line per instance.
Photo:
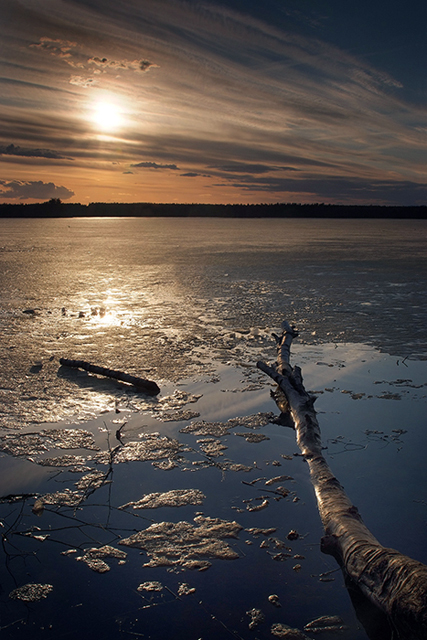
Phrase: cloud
(103, 65)
(81, 81)
(371, 77)
(99, 62)
(154, 165)
(245, 167)
(133, 65)
(339, 189)
(72, 53)
(12, 150)
(144, 65)
(33, 190)
(190, 174)
(63, 49)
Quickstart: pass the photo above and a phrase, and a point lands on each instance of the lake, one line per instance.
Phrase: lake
(181, 515)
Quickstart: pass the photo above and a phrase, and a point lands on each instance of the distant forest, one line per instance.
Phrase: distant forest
(56, 209)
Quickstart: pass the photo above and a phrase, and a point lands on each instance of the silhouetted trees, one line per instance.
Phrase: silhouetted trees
(55, 208)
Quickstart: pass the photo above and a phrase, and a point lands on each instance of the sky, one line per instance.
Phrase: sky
(233, 101)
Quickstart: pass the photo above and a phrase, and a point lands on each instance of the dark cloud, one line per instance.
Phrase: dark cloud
(26, 84)
(346, 190)
(100, 62)
(33, 190)
(208, 152)
(12, 150)
(154, 165)
(244, 167)
(144, 65)
(55, 132)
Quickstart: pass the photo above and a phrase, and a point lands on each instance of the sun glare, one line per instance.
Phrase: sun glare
(107, 116)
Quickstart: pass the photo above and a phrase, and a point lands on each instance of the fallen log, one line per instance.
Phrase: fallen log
(147, 386)
(395, 584)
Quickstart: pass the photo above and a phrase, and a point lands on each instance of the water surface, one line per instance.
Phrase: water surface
(191, 304)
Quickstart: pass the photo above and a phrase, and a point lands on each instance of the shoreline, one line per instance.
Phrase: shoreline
(58, 209)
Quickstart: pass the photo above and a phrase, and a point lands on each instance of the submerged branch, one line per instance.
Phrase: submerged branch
(394, 583)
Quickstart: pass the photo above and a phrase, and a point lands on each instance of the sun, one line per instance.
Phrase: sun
(107, 116)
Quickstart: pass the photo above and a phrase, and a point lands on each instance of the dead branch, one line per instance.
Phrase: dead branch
(394, 583)
(147, 386)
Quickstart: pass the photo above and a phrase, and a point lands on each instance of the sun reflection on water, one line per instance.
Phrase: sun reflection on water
(107, 314)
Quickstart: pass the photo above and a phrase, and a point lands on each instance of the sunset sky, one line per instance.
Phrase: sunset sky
(216, 101)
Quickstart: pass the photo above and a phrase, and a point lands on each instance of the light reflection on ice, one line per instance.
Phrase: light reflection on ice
(170, 316)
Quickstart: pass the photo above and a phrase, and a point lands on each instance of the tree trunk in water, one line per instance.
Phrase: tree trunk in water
(394, 583)
(146, 386)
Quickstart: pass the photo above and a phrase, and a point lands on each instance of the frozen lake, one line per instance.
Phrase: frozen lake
(191, 304)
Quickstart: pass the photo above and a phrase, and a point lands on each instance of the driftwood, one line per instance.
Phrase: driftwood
(147, 386)
(395, 584)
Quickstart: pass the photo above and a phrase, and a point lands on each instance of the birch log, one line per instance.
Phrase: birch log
(394, 583)
(147, 386)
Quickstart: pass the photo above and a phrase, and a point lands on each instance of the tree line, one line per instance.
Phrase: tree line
(54, 208)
